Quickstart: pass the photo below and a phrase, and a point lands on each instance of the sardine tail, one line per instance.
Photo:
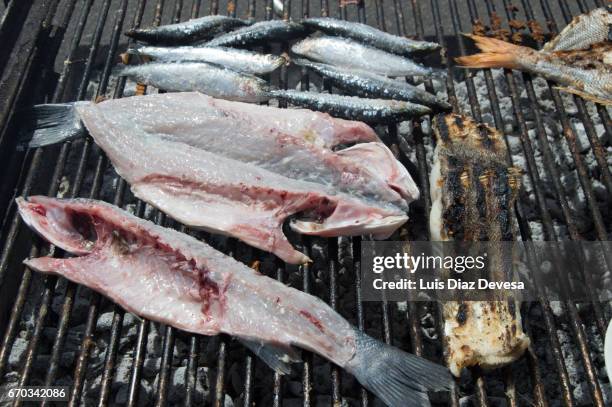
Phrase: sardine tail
(496, 54)
(396, 377)
(50, 124)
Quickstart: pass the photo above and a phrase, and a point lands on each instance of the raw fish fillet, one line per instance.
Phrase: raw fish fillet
(214, 173)
(198, 289)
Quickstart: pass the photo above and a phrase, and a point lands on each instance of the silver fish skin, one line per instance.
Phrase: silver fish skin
(236, 59)
(351, 54)
(264, 31)
(200, 290)
(583, 31)
(369, 35)
(188, 32)
(369, 85)
(209, 79)
(352, 107)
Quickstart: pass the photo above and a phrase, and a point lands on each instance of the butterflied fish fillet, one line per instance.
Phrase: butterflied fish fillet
(473, 193)
(198, 289)
(584, 72)
(208, 168)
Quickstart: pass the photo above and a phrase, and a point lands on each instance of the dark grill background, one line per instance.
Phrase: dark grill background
(56, 333)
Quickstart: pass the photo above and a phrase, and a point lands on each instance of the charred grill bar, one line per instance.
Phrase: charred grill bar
(66, 21)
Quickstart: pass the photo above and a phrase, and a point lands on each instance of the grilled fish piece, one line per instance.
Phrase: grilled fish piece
(352, 107)
(188, 32)
(261, 32)
(55, 123)
(587, 73)
(240, 60)
(200, 290)
(209, 79)
(185, 154)
(583, 31)
(351, 54)
(369, 35)
(369, 85)
(473, 193)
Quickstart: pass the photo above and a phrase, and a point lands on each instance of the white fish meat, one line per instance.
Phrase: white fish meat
(217, 172)
(198, 289)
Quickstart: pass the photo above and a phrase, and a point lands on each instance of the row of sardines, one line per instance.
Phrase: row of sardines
(208, 155)
(211, 55)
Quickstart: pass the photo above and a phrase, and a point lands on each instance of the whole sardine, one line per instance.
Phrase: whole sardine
(187, 32)
(261, 32)
(352, 107)
(236, 59)
(583, 31)
(369, 85)
(209, 79)
(587, 73)
(351, 54)
(171, 277)
(473, 193)
(369, 35)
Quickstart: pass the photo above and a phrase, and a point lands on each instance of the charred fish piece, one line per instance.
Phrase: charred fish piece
(369, 85)
(200, 290)
(583, 31)
(184, 154)
(369, 35)
(188, 32)
(212, 80)
(351, 54)
(587, 73)
(473, 193)
(236, 59)
(261, 32)
(352, 107)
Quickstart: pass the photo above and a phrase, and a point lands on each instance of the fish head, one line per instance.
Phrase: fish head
(56, 222)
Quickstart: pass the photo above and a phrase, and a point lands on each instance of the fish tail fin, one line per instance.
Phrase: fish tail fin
(396, 377)
(585, 95)
(279, 358)
(496, 54)
(50, 124)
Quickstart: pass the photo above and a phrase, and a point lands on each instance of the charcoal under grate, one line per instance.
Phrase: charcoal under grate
(57, 333)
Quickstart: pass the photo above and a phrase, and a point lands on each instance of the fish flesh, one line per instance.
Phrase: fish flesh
(351, 54)
(200, 290)
(212, 80)
(352, 107)
(473, 193)
(261, 32)
(586, 72)
(370, 85)
(369, 35)
(214, 165)
(240, 60)
(188, 32)
(583, 31)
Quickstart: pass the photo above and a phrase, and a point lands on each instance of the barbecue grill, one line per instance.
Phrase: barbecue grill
(56, 333)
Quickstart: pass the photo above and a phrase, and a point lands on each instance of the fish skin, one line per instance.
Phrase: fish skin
(470, 164)
(209, 79)
(583, 72)
(582, 32)
(352, 54)
(200, 290)
(240, 60)
(261, 32)
(369, 35)
(352, 107)
(369, 85)
(220, 194)
(187, 32)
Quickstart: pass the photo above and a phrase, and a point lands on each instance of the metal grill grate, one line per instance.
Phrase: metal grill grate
(88, 33)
